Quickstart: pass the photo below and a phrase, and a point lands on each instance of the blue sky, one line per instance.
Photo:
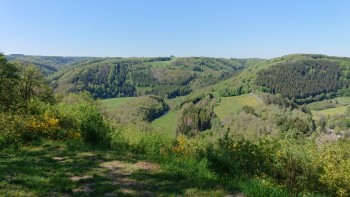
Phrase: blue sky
(216, 28)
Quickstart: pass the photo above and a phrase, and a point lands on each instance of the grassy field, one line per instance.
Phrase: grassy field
(110, 104)
(161, 63)
(343, 100)
(329, 112)
(233, 104)
(341, 108)
(167, 123)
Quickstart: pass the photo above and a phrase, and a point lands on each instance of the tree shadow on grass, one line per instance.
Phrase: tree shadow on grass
(76, 169)
(56, 169)
(166, 183)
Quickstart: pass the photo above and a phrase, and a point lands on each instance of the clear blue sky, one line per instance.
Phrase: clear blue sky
(216, 28)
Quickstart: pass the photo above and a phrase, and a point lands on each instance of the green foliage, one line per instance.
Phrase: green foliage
(164, 77)
(196, 117)
(79, 113)
(237, 157)
(262, 187)
(20, 86)
(32, 84)
(11, 127)
(302, 79)
(277, 99)
(93, 128)
(247, 80)
(9, 77)
(266, 150)
(249, 110)
(294, 126)
(47, 64)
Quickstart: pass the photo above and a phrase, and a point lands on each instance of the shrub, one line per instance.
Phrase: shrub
(94, 129)
(44, 125)
(78, 112)
(237, 156)
(334, 160)
(11, 129)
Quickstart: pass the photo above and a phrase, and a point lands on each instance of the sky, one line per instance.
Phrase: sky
(183, 28)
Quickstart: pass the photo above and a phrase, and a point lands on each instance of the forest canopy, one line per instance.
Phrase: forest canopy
(301, 79)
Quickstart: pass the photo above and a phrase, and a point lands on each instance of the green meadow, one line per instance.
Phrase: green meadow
(167, 123)
(110, 104)
(232, 104)
(329, 112)
(336, 106)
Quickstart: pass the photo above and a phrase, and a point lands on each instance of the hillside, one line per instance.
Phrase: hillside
(230, 105)
(304, 77)
(48, 64)
(163, 76)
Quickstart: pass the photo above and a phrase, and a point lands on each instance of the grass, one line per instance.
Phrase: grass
(113, 103)
(167, 123)
(341, 108)
(230, 105)
(329, 112)
(161, 63)
(74, 169)
(343, 100)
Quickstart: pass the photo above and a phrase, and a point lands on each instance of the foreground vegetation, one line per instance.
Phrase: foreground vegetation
(72, 145)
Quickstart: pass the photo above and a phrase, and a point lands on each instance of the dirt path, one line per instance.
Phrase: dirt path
(121, 175)
(258, 98)
(118, 175)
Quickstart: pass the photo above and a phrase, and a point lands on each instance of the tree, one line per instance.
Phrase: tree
(8, 81)
(33, 84)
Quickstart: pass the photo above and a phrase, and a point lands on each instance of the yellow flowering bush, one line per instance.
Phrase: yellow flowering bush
(189, 147)
(334, 158)
(43, 125)
(179, 147)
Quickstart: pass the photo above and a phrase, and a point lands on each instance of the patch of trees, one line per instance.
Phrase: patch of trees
(105, 81)
(301, 80)
(196, 116)
(171, 91)
(216, 64)
(21, 85)
(143, 78)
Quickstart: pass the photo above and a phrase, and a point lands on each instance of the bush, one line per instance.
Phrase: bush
(333, 159)
(44, 125)
(79, 113)
(12, 128)
(196, 116)
(232, 156)
(94, 129)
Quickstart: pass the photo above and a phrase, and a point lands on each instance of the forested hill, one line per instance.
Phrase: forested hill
(302, 77)
(48, 64)
(167, 77)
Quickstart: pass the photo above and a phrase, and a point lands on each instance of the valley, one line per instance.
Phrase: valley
(214, 126)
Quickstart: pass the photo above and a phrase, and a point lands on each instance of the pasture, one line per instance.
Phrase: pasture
(232, 104)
